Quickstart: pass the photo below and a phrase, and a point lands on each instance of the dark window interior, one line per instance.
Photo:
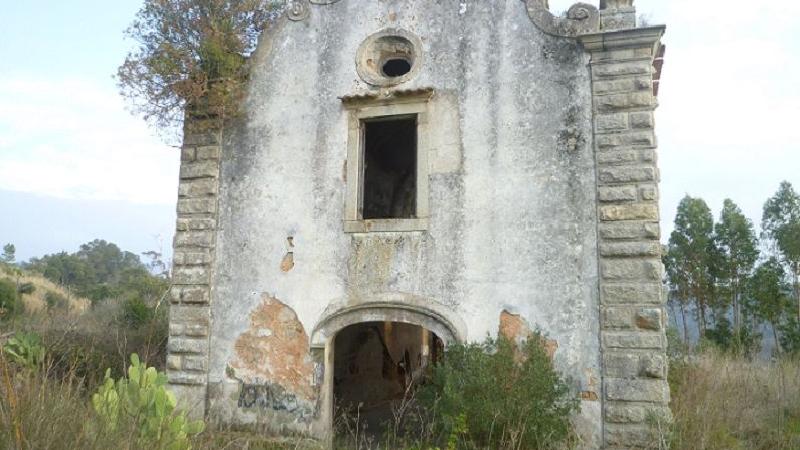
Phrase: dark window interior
(396, 67)
(390, 168)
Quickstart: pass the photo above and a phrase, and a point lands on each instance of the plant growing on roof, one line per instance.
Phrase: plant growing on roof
(188, 51)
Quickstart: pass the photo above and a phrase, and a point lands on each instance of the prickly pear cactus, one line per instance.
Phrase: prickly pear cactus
(142, 401)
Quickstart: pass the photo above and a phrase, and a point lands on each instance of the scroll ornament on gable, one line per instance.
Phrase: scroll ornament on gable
(298, 10)
(581, 18)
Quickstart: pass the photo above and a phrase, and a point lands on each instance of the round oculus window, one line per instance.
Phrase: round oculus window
(389, 57)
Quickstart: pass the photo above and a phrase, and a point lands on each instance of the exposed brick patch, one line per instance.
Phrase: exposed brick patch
(275, 350)
(589, 396)
(517, 330)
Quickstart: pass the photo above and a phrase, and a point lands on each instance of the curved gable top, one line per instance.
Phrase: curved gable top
(581, 18)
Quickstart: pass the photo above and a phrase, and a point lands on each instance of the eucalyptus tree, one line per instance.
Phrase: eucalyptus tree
(768, 298)
(690, 258)
(679, 290)
(737, 253)
(780, 223)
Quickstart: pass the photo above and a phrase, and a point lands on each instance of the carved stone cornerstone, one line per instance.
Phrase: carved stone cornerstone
(633, 316)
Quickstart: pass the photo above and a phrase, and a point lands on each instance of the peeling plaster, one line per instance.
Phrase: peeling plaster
(517, 330)
(274, 350)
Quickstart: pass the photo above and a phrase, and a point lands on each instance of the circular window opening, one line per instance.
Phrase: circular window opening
(396, 67)
(389, 57)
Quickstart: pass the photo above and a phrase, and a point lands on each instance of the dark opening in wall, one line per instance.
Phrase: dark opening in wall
(377, 364)
(396, 67)
(389, 190)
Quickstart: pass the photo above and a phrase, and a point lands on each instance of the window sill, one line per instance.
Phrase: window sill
(385, 225)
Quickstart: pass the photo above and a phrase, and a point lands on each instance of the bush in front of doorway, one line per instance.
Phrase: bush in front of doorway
(496, 395)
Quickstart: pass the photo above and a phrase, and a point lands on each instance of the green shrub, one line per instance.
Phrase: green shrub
(25, 350)
(136, 313)
(54, 300)
(10, 304)
(790, 336)
(677, 348)
(26, 288)
(142, 402)
(97, 340)
(498, 396)
(725, 338)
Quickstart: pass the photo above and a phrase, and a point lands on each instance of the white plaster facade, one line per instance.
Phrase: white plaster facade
(536, 195)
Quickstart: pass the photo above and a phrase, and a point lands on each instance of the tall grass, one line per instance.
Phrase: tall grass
(725, 402)
(40, 411)
(49, 407)
(719, 401)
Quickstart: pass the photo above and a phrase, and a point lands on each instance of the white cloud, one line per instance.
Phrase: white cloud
(74, 139)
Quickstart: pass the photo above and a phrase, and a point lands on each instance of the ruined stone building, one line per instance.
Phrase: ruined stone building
(411, 173)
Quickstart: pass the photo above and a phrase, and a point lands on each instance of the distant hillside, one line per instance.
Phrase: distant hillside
(35, 301)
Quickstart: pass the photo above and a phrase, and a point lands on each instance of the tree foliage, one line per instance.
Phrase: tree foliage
(690, 258)
(768, 297)
(712, 271)
(185, 48)
(100, 270)
(781, 224)
(9, 254)
(737, 252)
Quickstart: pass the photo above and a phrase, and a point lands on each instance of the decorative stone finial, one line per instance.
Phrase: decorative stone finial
(581, 18)
(617, 15)
(616, 4)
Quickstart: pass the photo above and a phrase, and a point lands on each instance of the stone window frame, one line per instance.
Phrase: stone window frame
(361, 110)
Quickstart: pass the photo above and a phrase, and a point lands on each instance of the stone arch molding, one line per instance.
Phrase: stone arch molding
(581, 18)
(390, 307)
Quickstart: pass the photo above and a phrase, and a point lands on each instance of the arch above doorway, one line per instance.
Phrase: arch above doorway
(390, 307)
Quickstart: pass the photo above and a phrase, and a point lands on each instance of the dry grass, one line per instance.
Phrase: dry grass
(728, 403)
(718, 402)
(41, 411)
(35, 301)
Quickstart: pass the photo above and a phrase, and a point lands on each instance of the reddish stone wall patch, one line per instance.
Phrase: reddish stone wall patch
(275, 350)
(516, 329)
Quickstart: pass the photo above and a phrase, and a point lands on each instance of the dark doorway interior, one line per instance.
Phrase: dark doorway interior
(376, 366)
(390, 168)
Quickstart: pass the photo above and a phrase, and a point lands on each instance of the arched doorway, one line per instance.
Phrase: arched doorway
(377, 367)
(399, 309)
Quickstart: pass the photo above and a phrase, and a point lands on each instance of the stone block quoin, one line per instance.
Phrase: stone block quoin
(194, 245)
(632, 312)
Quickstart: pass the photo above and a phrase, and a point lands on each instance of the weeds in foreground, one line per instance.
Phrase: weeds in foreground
(724, 402)
(490, 395)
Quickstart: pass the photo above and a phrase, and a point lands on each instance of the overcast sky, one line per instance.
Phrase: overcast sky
(727, 124)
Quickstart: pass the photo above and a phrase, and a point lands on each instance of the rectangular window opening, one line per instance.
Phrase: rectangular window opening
(389, 189)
